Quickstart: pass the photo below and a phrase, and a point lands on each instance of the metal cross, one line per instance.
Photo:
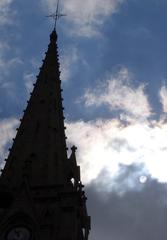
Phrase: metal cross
(56, 15)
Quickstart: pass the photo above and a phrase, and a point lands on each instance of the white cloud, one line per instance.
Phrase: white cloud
(118, 93)
(86, 16)
(29, 79)
(105, 144)
(163, 98)
(5, 12)
(6, 67)
(7, 132)
(67, 63)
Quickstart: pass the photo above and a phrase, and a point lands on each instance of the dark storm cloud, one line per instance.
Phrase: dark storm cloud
(138, 213)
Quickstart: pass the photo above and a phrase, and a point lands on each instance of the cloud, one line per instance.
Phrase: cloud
(163, 97)
(67, 63)
(8, 63)
(5, 12)
(6, 67)
(139, 213)
(107, 144)
(118, 93)
(86, 16)
(7, 132)
(29, 79)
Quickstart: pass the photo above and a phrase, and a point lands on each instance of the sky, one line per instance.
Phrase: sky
(113, 56)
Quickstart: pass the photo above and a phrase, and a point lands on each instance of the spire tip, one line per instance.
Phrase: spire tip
(53, 35)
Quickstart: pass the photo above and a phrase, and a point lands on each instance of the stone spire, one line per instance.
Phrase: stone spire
(41, 194)
(39, 149)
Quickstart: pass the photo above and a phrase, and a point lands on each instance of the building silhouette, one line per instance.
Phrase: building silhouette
(41, 193)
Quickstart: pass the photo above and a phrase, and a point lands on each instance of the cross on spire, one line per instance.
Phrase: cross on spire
(57, 14)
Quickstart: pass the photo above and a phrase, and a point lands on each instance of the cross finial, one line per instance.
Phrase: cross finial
(57, 14)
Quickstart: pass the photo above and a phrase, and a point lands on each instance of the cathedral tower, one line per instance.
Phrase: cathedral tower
(41, 194)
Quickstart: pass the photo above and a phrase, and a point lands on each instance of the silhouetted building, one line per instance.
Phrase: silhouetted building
(41, 194)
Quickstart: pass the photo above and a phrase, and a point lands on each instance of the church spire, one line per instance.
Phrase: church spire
(41, 193)
(39, 149)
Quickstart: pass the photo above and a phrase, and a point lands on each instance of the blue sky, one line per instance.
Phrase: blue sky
(113, 56)
(129, 35)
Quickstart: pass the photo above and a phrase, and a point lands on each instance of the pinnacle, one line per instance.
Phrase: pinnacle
(74, 148)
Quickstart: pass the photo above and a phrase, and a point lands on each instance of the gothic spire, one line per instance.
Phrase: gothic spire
(39, 149)
(41, 193)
